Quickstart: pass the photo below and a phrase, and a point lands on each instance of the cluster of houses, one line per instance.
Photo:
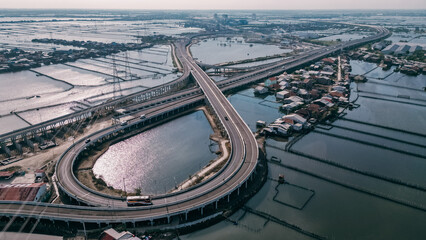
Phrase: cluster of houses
(405, 66)
(17, 59)
(308, 95)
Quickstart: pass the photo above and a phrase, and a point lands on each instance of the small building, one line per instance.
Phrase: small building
(293, 99)
(282, 94)
(303, 112)
(324, 80)
(284, 84)
(314, 93)
(303, 93)
(307, 83)
(260, 90)
(271, 81)
(324, 103)
(327, 73)
(314, 73)
(111, 234)
(339, 89)
(328, 61)
(296, 118)
(280, 129)
(260, 124)
(314, 109)
(336, 94)
(291, 106)
(33, 192)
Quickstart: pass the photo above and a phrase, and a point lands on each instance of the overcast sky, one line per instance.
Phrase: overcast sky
(216, 4)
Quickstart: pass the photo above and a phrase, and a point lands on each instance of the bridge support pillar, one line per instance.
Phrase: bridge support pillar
(186, 216)
(246, 184)
(152, 222)
(134, 224)
(202, 211)
(84, 228)
(228, 198)
(168, 219)
(238, 191)
(216, 204)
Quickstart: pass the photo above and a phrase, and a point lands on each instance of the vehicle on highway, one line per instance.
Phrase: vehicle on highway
(139, 201)
(123, 123)
(143, 116)
(87, 140)
(226, 118)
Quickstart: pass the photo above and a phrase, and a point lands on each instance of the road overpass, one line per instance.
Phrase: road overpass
(236, 173)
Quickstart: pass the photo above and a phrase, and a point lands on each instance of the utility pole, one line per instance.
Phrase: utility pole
(124, 183)
(127, 71)
(116, 80)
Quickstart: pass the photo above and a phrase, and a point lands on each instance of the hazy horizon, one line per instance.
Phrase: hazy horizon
(218, 5)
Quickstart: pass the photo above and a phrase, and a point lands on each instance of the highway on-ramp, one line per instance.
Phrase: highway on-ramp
(236, 172)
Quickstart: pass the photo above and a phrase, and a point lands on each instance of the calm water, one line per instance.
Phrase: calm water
(92, 84)
(26, 84)
(158, 159)
(231, 50)
(11, 122)
(20, 34)
(252, 108)
(338, 211)
(343, 37)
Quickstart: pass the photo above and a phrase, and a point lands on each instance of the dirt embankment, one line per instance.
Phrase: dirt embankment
(214, 165)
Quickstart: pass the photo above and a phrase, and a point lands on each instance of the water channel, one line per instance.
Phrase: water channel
(354, 181)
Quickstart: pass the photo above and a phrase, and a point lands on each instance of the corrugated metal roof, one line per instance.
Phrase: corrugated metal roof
(19, 192)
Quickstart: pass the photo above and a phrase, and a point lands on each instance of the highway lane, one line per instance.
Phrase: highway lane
(34, 128)
(244, 158)
(66, 175)
(234, 175)
(223, 109)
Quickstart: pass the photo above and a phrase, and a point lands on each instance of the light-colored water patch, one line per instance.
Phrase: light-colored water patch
(219, 50)
(27, 84)
(9, 123)
(159, 159)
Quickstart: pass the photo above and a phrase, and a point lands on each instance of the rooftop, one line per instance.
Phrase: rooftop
(19, 192)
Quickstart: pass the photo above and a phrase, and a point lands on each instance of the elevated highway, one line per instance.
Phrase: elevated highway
(228, 181)
(143, 95)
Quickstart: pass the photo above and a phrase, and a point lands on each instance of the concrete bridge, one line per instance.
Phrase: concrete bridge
(226, 184)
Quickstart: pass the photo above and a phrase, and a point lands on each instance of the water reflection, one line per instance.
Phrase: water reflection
(158, 159)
